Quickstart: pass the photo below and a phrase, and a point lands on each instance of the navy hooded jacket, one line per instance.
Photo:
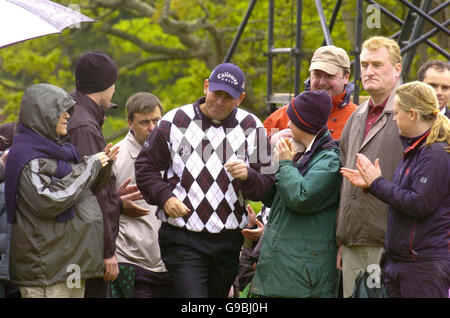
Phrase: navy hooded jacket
(418, 224)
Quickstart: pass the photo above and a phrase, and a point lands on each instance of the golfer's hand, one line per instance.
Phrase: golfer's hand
(175, 208)
(237, 169)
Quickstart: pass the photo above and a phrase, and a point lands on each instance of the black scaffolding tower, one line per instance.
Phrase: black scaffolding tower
(408, 38)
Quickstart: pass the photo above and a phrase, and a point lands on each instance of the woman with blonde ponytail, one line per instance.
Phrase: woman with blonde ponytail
(421, 98)
(416, 257)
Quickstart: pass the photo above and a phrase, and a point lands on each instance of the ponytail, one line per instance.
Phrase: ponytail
(440, 131)
(421, 98)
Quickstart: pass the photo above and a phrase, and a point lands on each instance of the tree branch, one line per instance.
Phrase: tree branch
(140, 7)
(11, 87)
(146, 46)
(182, 29)
(151, 59)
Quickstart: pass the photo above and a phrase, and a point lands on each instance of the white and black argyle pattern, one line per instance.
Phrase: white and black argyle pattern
(199, 151)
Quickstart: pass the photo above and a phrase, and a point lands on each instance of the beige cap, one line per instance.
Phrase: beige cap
(329, 59)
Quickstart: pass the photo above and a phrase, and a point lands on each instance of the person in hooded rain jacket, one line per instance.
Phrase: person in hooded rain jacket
(298, 253)
(57, 227)
(416, 257)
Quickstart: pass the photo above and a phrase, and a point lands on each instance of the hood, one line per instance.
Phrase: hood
(41, 106)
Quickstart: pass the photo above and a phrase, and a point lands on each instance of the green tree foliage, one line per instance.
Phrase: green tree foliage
(168, 48)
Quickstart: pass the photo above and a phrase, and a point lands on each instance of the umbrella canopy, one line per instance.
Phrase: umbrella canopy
(21, 20)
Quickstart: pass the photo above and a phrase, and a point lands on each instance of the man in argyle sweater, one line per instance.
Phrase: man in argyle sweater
(214, 156)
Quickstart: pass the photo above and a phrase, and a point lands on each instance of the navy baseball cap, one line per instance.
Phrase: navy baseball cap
(229, 78)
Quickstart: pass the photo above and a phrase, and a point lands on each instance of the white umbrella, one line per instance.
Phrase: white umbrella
(21, 20)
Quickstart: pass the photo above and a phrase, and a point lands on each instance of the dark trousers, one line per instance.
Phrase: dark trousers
(157, 289)
(200, 264)
(95, 288)
(136, 282)
(428, 279)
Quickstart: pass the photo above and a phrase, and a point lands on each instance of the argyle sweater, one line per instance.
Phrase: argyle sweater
(192, 149)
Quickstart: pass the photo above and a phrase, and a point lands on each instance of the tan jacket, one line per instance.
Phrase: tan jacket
(362, 218)
(137, 240)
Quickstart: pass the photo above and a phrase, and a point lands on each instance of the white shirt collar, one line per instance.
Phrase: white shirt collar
(308, 148)
(310, 144)
(135, 147)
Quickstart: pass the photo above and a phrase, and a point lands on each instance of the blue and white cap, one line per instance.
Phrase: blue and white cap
(229, 78)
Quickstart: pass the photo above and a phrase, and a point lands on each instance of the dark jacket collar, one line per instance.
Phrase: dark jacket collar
(94, 109)
(229, 122)
(411, 144)
(323, 141)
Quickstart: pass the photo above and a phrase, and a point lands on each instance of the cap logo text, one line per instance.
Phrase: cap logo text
(227, 77)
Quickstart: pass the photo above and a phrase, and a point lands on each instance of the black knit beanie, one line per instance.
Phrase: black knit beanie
(310, 110)
(94, 72)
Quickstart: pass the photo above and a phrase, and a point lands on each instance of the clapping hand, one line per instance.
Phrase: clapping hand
(103, 158)
(285, 133)
(285, 150)
(111, 151)
(365, 174)
(368, 171)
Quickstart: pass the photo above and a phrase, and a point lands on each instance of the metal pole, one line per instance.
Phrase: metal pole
(423, 38)
(438, 49)
(416, 32)
(357, 51)
(323, 23)
(408, 25)
(427, 35)
(439, 8)
(298, 45)
(237, 37)
(269, 55)
(400, 22)
(336, 9)
(426, 16)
